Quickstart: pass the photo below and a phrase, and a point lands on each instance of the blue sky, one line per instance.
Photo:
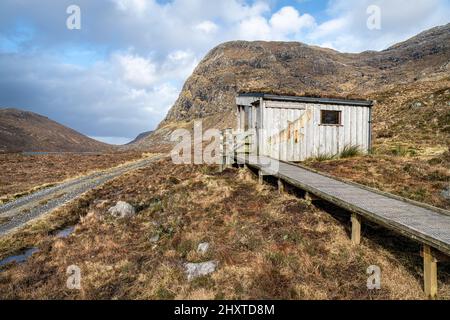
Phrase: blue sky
(120, 73)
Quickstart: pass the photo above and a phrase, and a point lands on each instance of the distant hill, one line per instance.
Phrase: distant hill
(406, 74)
(141, 136)
(27, 131)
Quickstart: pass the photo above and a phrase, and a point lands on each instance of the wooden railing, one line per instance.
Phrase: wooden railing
(234, 143)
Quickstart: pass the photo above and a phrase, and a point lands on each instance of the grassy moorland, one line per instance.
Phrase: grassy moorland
(21, 174)
(422, 179)
(267, 245)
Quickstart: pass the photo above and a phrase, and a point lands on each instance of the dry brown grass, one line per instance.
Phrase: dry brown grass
(268, 246)
(416, 115)
(21, 174)
(417, 178)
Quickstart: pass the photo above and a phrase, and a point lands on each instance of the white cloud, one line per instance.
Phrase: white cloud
(288, 21)
(282, 25)
(254, 28)
(330, 28)
(347, 29)
(207, 27)
(137, 6)
(113, 140)
(136, 70)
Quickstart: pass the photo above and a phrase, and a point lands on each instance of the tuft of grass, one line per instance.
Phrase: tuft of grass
(403, 151)
(350, 151)
(322, 157)
(164, 294)
(4, 220)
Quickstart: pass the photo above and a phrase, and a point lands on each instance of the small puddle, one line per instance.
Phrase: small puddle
(19, 258)
(64, 233)
(24, 255)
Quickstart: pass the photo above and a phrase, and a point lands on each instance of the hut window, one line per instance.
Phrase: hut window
(330, 117)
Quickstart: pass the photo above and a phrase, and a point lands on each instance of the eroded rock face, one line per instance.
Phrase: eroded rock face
(297, 68)
(122, 210)
(195, 270)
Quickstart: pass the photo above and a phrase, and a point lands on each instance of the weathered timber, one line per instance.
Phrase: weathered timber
(356, 228)
(425, 224)
(429, 272)
(260, 177)
(281, 188)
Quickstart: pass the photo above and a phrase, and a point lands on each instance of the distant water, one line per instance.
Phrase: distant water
(19, 258)
(42, 153)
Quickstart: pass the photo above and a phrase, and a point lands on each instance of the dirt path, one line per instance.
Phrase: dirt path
(17, 213)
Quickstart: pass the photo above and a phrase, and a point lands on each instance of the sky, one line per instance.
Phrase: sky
(120, 73)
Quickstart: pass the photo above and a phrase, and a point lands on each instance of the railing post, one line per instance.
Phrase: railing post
(223, 150)
(227, 149)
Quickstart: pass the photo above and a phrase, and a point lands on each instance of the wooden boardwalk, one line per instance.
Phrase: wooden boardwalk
(426, 224)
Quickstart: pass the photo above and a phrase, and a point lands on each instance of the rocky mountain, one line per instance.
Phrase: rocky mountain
(297, 68)
(396, 78)
(28, 131)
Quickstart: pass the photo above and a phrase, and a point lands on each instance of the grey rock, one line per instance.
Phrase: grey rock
(122, 210)
(446, 193)
(416, 104)
(203, 247)
(195, 270)
(154, 239)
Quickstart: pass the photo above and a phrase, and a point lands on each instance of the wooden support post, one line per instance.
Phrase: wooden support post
(356, 229)
(429, 272)
(260, 177)
(308, 196)
(281, 188)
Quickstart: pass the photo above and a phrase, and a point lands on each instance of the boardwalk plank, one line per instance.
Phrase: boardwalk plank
(422, 223)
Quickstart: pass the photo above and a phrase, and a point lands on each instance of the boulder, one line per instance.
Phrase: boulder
(122, 210)
(154, 239)
(446, 193)
(416, 105)
(203, 247)
(195, 270)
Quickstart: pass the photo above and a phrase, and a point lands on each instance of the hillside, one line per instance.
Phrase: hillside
(28, 131)
(396, 78)
(140, 136)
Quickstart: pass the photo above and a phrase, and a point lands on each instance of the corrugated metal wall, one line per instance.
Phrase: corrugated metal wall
(291, 131)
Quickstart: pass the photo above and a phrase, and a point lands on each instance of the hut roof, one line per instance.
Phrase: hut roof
(308, 99)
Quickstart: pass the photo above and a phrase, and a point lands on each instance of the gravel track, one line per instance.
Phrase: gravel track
(18, 212)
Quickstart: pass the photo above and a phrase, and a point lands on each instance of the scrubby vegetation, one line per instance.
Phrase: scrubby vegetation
(21, 174)
(418, 178)
(350, 151)
(267, 245)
